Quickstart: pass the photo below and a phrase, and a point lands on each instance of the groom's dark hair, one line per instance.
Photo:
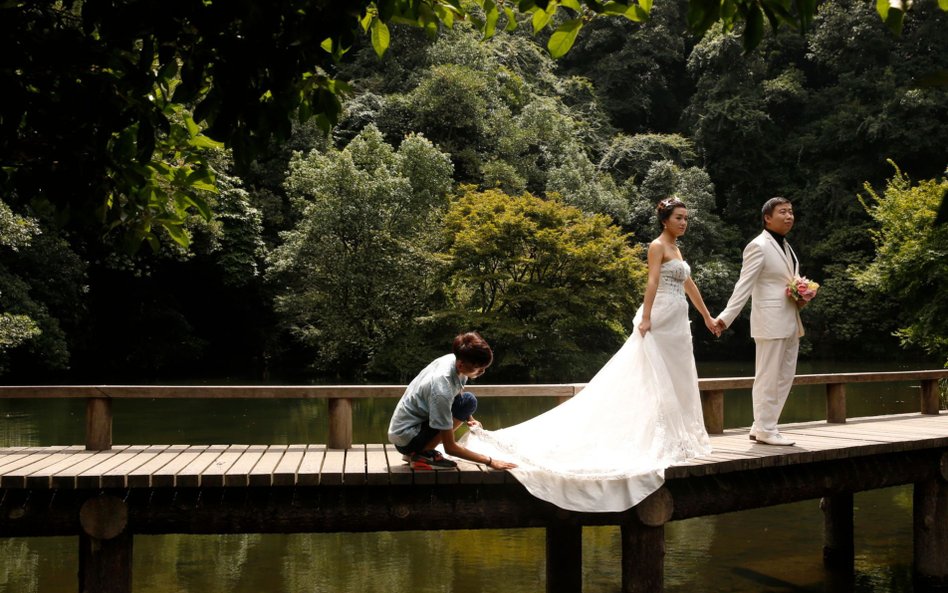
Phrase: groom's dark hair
(771, 205)
(471, 348)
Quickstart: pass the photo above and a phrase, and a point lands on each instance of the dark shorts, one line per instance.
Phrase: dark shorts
(462, 408)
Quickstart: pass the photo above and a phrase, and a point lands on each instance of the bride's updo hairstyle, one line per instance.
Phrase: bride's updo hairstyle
(471, 348)
(666, 207)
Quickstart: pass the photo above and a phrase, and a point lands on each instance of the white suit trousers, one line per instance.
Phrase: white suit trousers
(775, 368)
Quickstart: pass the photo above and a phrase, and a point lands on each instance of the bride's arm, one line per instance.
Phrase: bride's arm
(691, 289)
(656, 253)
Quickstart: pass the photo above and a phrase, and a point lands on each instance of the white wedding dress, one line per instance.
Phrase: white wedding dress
(607, 448)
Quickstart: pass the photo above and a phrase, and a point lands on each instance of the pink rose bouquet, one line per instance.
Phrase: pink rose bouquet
(802, 289)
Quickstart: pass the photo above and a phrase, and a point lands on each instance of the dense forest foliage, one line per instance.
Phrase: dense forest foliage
(480, 184)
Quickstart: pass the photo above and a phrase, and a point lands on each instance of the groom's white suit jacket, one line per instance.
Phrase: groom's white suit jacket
(765, 273)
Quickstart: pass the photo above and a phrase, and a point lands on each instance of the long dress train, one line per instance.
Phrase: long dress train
(607, 448)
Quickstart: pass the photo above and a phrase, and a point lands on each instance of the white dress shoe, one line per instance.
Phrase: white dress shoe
(777, 439)
(752, 435)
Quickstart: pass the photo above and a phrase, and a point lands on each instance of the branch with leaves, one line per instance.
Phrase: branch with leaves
(110, 105)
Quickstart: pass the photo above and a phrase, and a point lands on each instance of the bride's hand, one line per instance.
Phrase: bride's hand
(713, 326)
(644, 326)
(474, 423)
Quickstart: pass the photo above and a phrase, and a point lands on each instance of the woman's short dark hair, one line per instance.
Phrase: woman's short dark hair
(472, 349)
(771, 205)
(667, 206)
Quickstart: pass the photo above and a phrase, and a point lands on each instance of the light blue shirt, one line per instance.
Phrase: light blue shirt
(427, 399)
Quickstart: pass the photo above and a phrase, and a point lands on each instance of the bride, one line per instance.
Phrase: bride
(607, 448)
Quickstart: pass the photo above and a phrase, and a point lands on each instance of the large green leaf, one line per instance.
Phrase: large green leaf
(540, 19)
(754, 27)
(702, 14)
(779, 13)
(563, 38)
(511, 20)
(177, 233)
(632, 11)
(446, 14)
(893, 13)
(380, 37)
(492, 15)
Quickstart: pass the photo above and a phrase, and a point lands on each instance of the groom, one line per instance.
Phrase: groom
(769, 265)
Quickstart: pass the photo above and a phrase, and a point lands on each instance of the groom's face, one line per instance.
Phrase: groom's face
(781, 219)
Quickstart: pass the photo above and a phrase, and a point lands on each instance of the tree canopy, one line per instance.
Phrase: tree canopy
(553, 287)
(911, 260)
(263, 261)
(109, 107)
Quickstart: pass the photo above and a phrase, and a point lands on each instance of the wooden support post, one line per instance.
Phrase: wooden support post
(105, 547)
(643, 544)
(340, 423)
(836, 403)
(930, 518)
(930, 403)
(98, 424)
(643, 558)
(712, 406)
(838, 549)
(564, 557)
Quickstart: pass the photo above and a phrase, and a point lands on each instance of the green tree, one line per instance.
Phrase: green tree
(455, 107)
(43, 284)
(553, 289)
(112, 90)
(708, 237)
(812, 118)
(15, 232)
(911, 259)
(357, 268)
(637, 68)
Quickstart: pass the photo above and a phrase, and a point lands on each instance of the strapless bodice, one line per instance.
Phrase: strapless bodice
(672, 278)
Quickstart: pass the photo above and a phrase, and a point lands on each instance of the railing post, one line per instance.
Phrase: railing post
(105, 546)
(930, 519)
(836, 403)
(930, 403)
(340, 423)
(564, 556)
(98, 424)
(838, 548)
(643, 543)
(712, 407)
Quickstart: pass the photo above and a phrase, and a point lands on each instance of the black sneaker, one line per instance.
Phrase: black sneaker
(431, 460)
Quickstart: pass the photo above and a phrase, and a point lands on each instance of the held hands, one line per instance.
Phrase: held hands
(474, 423)
(716, 326)
(713, 327)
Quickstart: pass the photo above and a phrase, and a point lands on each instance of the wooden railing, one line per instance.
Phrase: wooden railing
(99, 397)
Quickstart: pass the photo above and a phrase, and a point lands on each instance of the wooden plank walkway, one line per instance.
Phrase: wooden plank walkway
(107, 497)
(212, 466)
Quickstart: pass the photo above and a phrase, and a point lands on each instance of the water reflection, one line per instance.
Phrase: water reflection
(765, 550)
(773, 550)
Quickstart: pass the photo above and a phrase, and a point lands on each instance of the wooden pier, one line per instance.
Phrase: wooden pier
(106, 494)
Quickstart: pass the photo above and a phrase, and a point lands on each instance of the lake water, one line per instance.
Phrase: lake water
(777, 549)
